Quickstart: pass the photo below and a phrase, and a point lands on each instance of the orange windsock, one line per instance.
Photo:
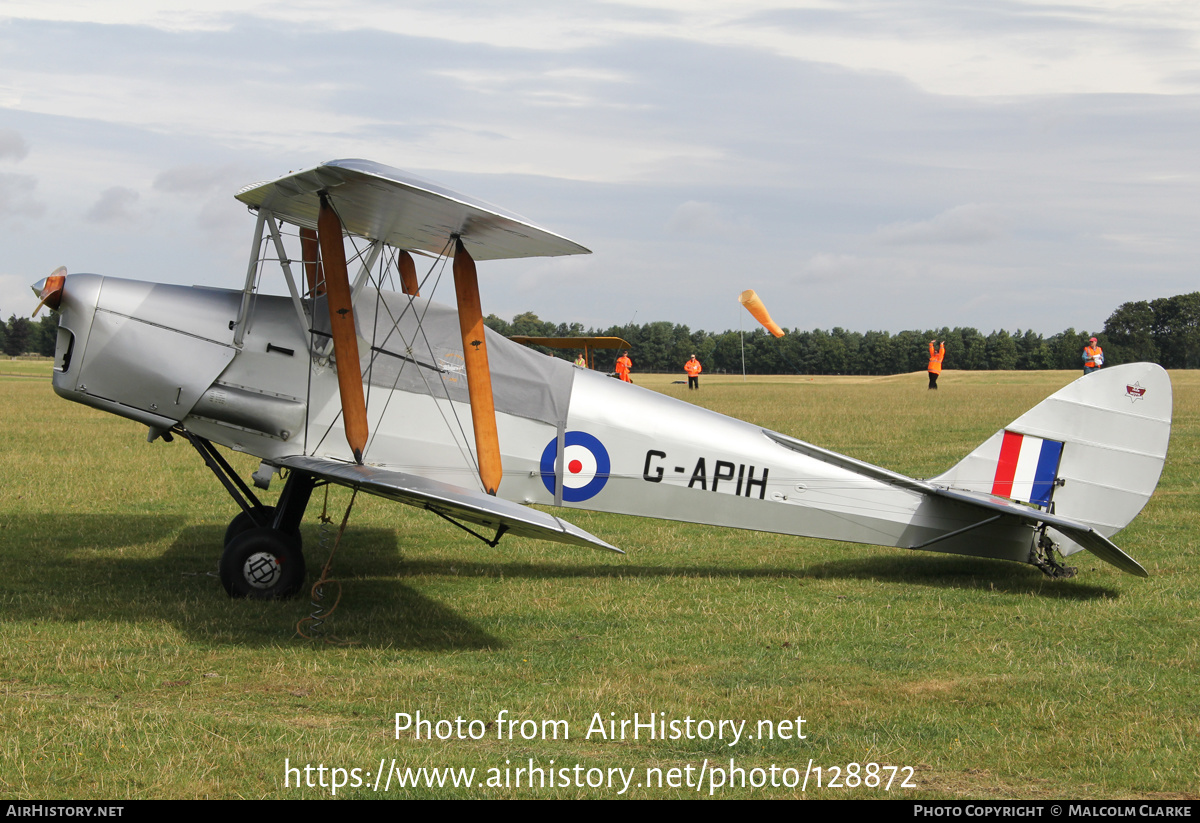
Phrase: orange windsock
(755, 306)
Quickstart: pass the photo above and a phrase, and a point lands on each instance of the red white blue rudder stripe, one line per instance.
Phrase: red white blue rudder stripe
(1027, 468)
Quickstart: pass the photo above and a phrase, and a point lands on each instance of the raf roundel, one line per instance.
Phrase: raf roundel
(585, 466)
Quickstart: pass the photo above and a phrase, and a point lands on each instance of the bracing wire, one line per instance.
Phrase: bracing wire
(321, 613)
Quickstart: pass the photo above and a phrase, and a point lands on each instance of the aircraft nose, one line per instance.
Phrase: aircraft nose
(49, 290)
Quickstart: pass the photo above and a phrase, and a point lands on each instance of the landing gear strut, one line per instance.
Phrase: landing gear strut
(263, 557)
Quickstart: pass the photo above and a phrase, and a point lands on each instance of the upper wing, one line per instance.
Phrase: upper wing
(382, 203)
(448, 500)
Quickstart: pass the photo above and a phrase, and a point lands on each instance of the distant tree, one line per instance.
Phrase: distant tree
(20, 330)
(1176, 330)
(1129, 332)
(1001, 351)
(1030, 349)
(496, 324)
(974, 353)
(1166, 330)
(1066, 349)
(726, 353)
(910, 352)
(877, 353)
(45, 336)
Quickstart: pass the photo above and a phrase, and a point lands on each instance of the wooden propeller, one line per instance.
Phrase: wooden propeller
(51, 290)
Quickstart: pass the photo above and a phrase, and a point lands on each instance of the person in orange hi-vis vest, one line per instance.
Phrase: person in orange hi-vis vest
(693, 369)
(935, 363)
(1093, 357)
(624, 364)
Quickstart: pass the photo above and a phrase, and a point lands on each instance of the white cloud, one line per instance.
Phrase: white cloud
(115, 204)
(1005, 47)
(962, 225)
(17, 197)
(834, 134)
(12, 145)
(196, 179)
(697, 219)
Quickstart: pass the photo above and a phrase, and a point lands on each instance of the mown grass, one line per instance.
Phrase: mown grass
(125, 672)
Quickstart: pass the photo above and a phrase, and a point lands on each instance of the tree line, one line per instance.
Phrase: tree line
(20, 335)
(1164, 331)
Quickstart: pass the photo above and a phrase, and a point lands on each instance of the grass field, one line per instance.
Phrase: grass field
(125, 672)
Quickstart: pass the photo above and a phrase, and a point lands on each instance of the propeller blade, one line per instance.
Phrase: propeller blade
(341, 322)
(479, 375)
(50, 290)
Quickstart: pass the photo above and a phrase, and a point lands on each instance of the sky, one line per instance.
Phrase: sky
(868, 164)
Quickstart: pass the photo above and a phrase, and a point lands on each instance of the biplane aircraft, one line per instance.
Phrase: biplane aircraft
(365, 383)
(587, 345)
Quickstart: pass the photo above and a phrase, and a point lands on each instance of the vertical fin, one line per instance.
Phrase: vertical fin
(1098, 444)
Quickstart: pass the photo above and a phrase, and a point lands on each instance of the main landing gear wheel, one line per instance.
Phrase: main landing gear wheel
(244, 523)
(263, 564)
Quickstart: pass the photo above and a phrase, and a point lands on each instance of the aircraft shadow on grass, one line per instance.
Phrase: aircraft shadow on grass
(94, 568)
(91, 568)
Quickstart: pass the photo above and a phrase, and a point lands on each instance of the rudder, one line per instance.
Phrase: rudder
(1113, 426)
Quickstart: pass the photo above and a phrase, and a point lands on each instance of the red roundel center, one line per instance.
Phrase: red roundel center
(575, 467)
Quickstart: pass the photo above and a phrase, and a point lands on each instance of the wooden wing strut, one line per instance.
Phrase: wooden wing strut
(312, 265)
(341, 322)
(408, 274)
(479, 376)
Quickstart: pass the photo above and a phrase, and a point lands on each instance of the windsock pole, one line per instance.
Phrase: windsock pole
(341, 322)
(479, 375)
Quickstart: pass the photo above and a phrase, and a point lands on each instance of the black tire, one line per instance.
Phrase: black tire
(243, 523)
(263, 564)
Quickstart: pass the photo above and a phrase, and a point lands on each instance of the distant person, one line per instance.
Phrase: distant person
(1093, 357)
(693, 369)
(624, 364)
(935, 362)
(581, 361)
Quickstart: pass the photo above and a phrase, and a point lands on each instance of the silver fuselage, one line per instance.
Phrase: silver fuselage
(167, 355)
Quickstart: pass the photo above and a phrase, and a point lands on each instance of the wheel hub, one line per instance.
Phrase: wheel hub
(262, 570)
